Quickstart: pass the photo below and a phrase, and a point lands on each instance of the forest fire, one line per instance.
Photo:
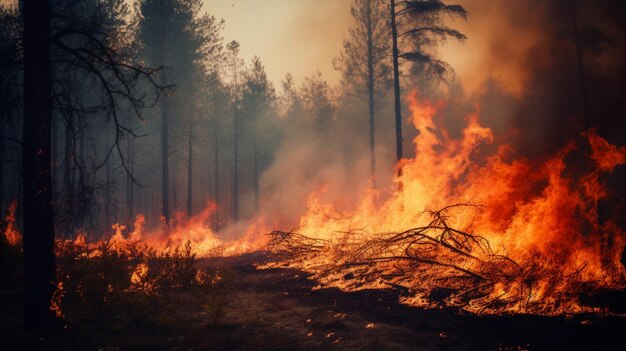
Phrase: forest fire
(305, 175)
(491, 235)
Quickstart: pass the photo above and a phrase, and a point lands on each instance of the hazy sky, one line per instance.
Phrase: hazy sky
(303, 36)
(297, 36)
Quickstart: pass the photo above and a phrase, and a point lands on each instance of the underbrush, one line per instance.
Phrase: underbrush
(129, 290)
(106, 281)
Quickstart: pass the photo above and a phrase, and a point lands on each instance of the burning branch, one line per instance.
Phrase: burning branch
(431, 265)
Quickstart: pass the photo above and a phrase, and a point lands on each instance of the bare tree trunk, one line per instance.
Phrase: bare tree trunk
(370, 90)
(129, 181)
(396, 87)
(68, 169)
(256, 173)
(174, 189)
(81, 150)
(216, 166)
(107, 196)
(235, 169)
(190, 172)
(1, 165)
(165, 206)
(39, 259)
(55, 156)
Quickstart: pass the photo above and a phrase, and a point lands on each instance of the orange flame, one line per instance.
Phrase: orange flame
(12, 236)
(536, 214)
(530, 212)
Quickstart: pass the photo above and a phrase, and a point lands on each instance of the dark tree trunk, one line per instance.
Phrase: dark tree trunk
(68, 170)
(370, 90)
(1, 165)
(396, 86)
(81, 151)
(39, 259)
(55, 157)
(165, 205)
(216, 170)
(129, 181)
(235, 169)
(174, 190)
(256, 173)
(190, 172)
(107, 196)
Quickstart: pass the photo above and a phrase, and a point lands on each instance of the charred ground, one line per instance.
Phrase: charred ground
(276, 309)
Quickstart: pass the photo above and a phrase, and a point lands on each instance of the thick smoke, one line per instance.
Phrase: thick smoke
(519, 68)
(520, 65)
(330, 161)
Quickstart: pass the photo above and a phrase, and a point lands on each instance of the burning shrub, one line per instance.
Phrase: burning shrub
(10, 251)
(215, 288)
(106, 277)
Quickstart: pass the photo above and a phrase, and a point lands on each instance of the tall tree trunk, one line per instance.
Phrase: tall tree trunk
(165, 205)
(39, 259)
(55, 157)
(107, 196)
(68, 174)
(235, 169)
(1, 165)
(581, 70)
(256, 172)
(370, 90)
(216, 167)
(129, 181)
(396, 87)
(190, 171)
(81, 150)
(174, 190)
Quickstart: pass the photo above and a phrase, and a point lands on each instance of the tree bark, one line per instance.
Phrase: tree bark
(165, 204)
(107, 195)
(129, 181)
(1, 165)
(190, 171)
(216, 146)
(370, 90)
(68, 170)
(235, 169)
(256, 172)
(396, 87)
(39, 259)
(55, 156)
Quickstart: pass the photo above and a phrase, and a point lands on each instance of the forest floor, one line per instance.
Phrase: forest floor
(275, 309)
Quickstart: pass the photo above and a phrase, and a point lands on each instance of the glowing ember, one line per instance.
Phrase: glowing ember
(57, 298)
(12, 236)
(138, 278)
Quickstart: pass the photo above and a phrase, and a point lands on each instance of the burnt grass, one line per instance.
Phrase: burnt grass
(276, 309)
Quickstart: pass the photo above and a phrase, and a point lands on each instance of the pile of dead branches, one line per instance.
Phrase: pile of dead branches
(433, 265)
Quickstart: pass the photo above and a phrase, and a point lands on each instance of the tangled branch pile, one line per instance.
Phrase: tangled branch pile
(432, 266)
